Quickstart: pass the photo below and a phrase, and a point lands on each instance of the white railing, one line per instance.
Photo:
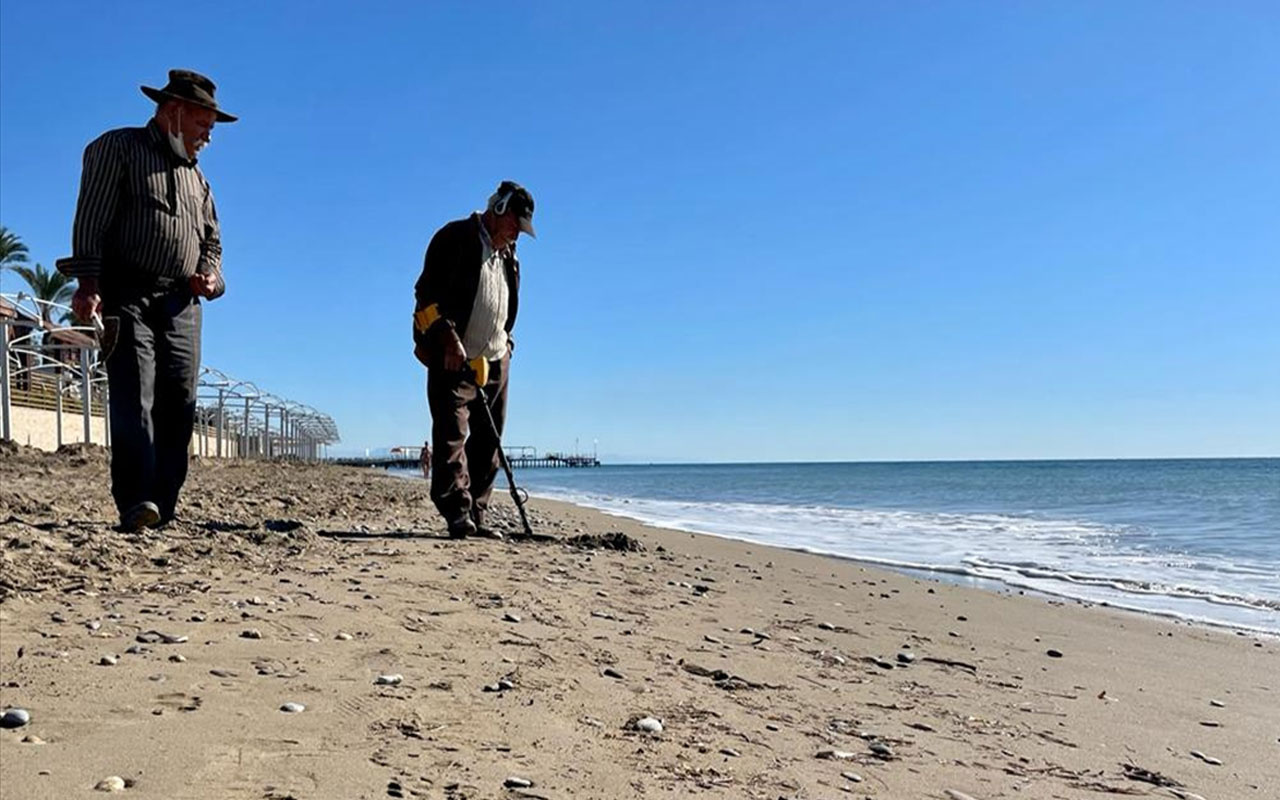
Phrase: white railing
(44, 364)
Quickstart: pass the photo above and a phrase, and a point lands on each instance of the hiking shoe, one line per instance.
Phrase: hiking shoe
(143, 515)
(486, 532)
(461, 528)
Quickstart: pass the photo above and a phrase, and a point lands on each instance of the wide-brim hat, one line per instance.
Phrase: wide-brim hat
(189, 87)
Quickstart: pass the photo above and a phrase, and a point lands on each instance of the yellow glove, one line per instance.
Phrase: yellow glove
(480, 366)
(425, 318)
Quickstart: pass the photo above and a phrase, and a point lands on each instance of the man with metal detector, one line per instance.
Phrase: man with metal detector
(466, 302)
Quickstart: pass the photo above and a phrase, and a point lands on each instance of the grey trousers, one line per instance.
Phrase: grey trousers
(152, 376)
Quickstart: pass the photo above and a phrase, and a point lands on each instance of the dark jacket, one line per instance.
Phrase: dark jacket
(449, 280)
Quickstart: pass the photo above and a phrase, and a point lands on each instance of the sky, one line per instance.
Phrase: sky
(767, 231)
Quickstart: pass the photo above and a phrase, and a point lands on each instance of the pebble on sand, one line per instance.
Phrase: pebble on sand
(31, 738)
(835, 755)
(293, 708)
(15, 718)
(649, 725)
(1217, 704)
(251, 633)
(343, 637)
(515, 782)
(509, 617)
(108, 661)
(956, 794)
(851, 776)
(880, 749)
(729, 751)
(1216, 762)
(1053, 653)
(389, 680)
(113, 783)
(177, 658)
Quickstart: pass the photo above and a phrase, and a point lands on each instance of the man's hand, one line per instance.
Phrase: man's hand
(203, 284)
(86, 301)
(455, 357)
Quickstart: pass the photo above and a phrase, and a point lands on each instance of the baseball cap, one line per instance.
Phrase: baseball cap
(514, 198)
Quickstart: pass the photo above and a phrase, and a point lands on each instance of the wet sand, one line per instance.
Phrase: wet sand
(773, 673)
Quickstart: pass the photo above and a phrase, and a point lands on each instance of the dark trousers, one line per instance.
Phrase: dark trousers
(463, 468)
(152, 376)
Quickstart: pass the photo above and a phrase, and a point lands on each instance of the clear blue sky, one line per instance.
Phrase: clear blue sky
(769, 231)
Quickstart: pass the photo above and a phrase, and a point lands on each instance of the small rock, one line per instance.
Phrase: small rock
(505, 685)
(1209, 723)
(293, 708)
(648, 725)
(729, 751)
(906, 658)
(93, 625)
(31, 738)
(1053, 653)
(252, 633)
(517, 783)
(222, 673)
(1217, 704)
(956, 794)
(108, 661)
(343, 637)
(15, 718)
(388, 680)
(851, 776)
(880, 749)
(177, 658)
(1217, 762)
(113, 783)
(826, 626)
(610, 672)
(711, 639)
(509, 617)
(835, 755)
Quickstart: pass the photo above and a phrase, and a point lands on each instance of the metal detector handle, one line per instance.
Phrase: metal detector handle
(519, 496)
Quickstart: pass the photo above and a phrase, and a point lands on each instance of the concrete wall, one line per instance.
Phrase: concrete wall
(38, 428)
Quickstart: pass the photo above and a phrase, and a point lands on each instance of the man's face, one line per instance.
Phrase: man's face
(507, 229)
(196, 125)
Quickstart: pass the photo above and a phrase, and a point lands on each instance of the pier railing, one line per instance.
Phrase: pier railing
(51, 374)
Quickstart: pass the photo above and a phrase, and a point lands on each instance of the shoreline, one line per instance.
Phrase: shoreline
(775, 673)
(956, 575)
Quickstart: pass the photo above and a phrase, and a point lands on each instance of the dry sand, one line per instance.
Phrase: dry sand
(758, 662)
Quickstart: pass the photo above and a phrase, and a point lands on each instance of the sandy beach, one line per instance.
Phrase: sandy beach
(432, 668)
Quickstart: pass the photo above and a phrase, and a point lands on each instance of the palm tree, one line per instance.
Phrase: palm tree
(12, 250)
(48, 285)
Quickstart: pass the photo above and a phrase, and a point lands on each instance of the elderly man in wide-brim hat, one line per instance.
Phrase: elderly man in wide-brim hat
(146, 252)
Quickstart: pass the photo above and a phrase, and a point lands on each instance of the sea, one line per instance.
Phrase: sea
(1193, 539)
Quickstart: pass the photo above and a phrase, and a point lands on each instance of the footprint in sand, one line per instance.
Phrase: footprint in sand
(179, 701)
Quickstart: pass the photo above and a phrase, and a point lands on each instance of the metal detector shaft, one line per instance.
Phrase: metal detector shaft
(502, 459)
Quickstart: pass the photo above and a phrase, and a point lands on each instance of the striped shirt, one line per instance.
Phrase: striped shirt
(143, 212)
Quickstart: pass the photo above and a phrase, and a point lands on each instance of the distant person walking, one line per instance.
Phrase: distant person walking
(145, 249)
(467, 298)
(424, 460)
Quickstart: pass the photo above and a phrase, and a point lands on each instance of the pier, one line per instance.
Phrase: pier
(518, 456)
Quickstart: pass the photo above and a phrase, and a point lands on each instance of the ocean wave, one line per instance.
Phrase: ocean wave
(1080, 560)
